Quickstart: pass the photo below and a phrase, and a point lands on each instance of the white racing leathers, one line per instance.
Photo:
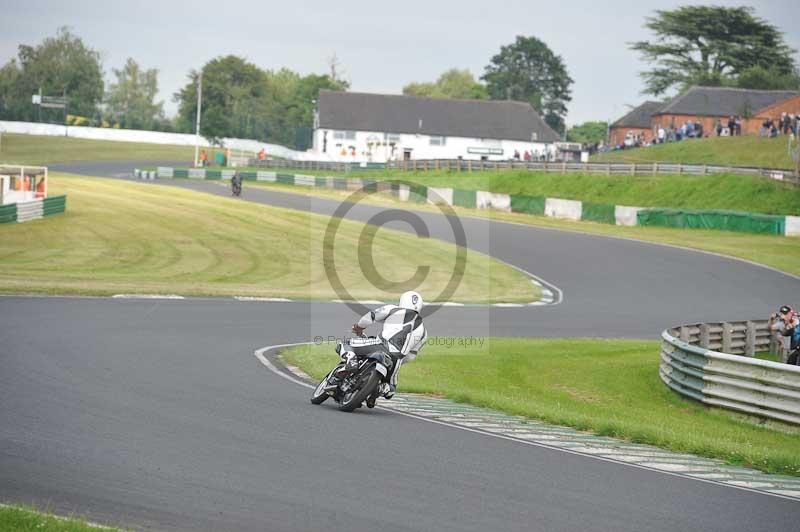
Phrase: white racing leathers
(403, 332)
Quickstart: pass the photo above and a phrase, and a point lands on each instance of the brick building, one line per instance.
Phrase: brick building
(638, 122)
(706, 105)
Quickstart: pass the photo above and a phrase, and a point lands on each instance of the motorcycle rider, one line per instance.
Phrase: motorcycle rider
(403, 333)
(236, 183)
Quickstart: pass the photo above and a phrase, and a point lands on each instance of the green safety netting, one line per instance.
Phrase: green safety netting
(528, 204)
(716, 219)
(597, 212)
(418, 193)
(464, 198)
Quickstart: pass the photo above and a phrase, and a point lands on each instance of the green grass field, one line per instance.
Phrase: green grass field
(750, 150)
(41, 150)
(124, 237)
(20, 519)
(609, 387)
(727, 191)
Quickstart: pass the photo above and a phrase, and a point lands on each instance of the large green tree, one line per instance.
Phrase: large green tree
(709, 45)
(241, 100)
(758, 77)
(131, 99)
(231, 89)
(588, 132)
(61, 66)
(453, 83)
(528, 70)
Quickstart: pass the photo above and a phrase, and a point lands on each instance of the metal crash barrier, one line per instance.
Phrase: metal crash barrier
(692, 367)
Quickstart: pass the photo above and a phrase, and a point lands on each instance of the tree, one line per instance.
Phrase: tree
(231, 86)
(453, 83)
(528, 70)
(241, 100)
(15, 100)
(131, 100)
(588, 132)
(61, 66)
(705, 45)
(758, 77)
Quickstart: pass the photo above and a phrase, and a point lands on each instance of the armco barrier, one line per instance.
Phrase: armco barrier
(32, 210)
(724, 379)
(554, 207)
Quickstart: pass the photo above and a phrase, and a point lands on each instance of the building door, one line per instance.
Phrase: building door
(407, 154)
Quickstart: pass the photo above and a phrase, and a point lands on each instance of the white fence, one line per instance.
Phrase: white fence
(691, 366)
(148, 137)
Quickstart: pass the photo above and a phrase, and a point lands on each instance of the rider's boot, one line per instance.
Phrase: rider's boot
(386, 390)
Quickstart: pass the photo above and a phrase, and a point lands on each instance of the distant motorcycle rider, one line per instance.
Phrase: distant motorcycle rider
(403, 333)
(236, 183)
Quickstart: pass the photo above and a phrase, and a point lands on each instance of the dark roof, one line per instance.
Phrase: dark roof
(640, 116)
(723, 101)
(502, 120)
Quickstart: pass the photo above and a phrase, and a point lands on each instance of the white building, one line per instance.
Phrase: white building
(360, 127)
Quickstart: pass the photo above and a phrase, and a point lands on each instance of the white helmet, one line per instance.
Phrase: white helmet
(411, 300)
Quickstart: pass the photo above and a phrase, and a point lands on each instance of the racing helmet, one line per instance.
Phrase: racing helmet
(411, 300)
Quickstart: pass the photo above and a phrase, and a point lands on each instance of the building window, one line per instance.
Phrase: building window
(392, 137)
(437, 141)
(344, 135)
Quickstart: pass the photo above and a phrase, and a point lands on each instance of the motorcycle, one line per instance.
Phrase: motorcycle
(236, 188)
(365, 364)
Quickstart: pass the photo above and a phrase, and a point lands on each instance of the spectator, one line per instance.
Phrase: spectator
(203, 158)
(662, 134)
(787, 323)
(718, 127)
(516, 155)
(731, 126)
(738, 125)
(527, 156)
(262, 154)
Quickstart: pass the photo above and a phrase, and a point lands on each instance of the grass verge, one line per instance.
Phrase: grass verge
(20, 519)
(779, 252)
(127, 237)
(44, 150)
(609, 387)
(748, 150)
(718, 191)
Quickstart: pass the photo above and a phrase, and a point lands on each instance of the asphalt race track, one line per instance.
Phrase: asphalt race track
(156, 414)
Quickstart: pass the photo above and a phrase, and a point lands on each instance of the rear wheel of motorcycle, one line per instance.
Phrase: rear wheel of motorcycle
(320, 395)
(371, 381)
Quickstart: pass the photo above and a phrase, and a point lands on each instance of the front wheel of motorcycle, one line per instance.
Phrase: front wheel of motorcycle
(320, 395)
(353, 400)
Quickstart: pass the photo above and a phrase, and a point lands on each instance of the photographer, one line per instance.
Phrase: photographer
(787, 322)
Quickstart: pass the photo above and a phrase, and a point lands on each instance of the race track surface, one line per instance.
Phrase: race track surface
(156, 414)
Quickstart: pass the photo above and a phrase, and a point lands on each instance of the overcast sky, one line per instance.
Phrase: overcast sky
(381, 45)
